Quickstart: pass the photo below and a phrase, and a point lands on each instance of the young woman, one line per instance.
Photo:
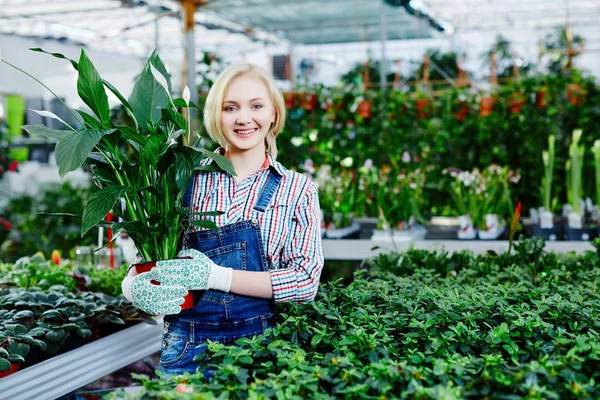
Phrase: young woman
(268, 245)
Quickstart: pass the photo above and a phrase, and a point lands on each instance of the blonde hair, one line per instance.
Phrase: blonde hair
(216, 94)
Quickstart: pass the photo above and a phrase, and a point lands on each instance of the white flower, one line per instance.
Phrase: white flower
(368, 164)
(412, 185)
(186, 95)
(405, 157)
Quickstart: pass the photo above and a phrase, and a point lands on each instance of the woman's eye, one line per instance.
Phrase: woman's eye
(257, 106)
(229, 108)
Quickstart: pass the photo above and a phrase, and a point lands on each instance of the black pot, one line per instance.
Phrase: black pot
(583, 234)
(442, 228)
(550, 234)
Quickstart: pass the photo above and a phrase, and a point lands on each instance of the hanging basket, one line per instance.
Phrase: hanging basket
(365, 109)
(575, 93)
(486, 106)
(422, 106)
(308, 101)
(462, 111)
(541, 99)
(290, 99)
(515, 103)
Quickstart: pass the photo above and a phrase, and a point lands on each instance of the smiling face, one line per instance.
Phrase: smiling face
(247, 113)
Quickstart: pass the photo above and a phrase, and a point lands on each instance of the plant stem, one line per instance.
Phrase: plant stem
(50, 90)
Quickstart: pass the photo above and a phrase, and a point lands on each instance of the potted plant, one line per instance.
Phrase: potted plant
(543, 218)
(575, 93)
(462, 189)
(574, 167)
(14, 346)
(141, 169)
(495, 200)
(399, 196)
(595, 217)
(423, 102)
(486, 105)
(337, 199)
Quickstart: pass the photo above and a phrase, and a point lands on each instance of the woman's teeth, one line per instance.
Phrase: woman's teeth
(246, 132)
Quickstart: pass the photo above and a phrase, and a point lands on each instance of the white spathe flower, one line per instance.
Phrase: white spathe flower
(48, 114)
(186, 95)
(159, 78)
(412, 185)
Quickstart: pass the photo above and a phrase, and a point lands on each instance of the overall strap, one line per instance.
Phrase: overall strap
(187, 195)
(267, 191)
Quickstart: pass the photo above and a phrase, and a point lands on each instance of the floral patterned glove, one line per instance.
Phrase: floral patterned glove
(160, 299)
(196, 272)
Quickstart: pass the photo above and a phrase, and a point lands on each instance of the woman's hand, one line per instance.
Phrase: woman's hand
(194, 271)
(160, 299)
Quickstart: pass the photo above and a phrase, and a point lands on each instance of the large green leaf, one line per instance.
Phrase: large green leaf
(4, 365)
(223, 162)
(91, 89)
(205, 224)
(72, 149)
(184, 171)
(177, 118)
(148, 96)
(182, 103)
(42, 130)
(99, 204)
(133, 136)
(57, 55)
(92, 122)
(106, 83)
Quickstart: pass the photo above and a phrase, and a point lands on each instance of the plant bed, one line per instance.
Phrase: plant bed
(425, 325)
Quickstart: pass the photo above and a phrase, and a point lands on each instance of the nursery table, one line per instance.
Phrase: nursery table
(70, 371)
(363, 248)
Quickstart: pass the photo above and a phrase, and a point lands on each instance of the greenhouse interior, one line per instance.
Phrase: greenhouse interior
(260, 199)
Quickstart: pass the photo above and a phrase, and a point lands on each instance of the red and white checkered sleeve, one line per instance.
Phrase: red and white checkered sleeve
(302, 257)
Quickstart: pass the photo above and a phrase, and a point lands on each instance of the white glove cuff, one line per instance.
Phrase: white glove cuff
(126, 287)
(220, 278)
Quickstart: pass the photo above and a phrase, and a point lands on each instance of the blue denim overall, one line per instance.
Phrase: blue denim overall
(220, 316)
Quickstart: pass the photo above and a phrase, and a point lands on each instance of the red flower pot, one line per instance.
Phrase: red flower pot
(575, 93)
(14, 367)
(540, 99)
(147, 266)
(486, 106)
(422, 106)
(290, 99)
(308, 101)
(462, 112)
(515, 104)
(364, 109)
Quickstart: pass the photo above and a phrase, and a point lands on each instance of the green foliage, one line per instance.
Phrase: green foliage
(45, 222)
(422, 325)
(145, 163)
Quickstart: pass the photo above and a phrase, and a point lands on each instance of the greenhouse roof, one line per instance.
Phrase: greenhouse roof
(136, 26)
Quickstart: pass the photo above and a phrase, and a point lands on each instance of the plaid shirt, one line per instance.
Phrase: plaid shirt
(290, 226)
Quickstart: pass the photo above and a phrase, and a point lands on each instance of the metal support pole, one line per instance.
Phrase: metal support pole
(189, 69)
(382, 62)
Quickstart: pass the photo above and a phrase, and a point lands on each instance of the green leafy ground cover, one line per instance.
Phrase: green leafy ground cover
(423, 325)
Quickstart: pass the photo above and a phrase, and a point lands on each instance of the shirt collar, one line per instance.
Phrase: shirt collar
(270, 162)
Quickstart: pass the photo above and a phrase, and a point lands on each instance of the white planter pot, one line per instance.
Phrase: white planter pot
(417, 232)
(494, 229)
(466, 231)
(340, 233)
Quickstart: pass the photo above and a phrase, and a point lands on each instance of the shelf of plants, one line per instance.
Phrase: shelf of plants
(68, 372)
(359, 250)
